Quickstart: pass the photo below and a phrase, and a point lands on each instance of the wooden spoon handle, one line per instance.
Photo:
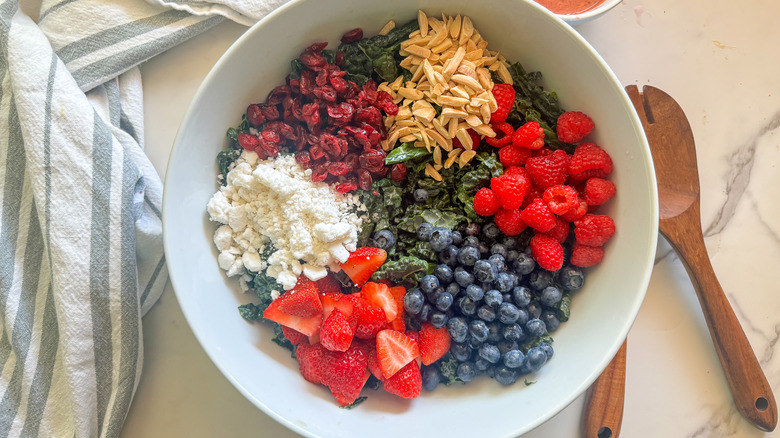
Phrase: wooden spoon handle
(749, 387)
(603, 412)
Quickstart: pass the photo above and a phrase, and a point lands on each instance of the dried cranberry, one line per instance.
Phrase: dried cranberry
(351, 160)
(371, 116)
(317, 47)
(295, 84)
(398, 172)
(369, 94)
(341, 114)
(381, 172)
(326, 93)
(303, 158)
(301, 142)
(338, 168)
(254, 116)
(312, 139)
(364, 179)
(321, 78)
(248, 141)
(268, 147)
(346, 187)
(313, 60)
(270, 112)
(318, 174)
(277, 95)
(385, 103)
(311, 114)
(270, 135)
(316, 152)
(372, 160)
(339, 58)
(352, 36)
(334, 146)
(340, 85)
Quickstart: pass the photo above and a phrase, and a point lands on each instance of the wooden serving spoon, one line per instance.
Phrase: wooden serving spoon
(603, 411)
(674, 156)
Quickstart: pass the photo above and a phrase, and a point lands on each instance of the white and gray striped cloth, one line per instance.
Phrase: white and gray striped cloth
(81, 256)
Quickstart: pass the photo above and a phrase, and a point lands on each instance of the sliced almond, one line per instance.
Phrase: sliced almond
(485, 130)
(408, 138)
(437, 155)
(503, 73)
(452, 112)
(387, 28)
(430, 74)
(452, 129)
(426, 114)
(410, 93)
(466, 30)
(483, 76)
(453, 64)
(450, 161)
(389, 120)
(467, 81)
(441, 47)
(465, 157)
(455, 152)
(452, 101)
(460, 92)
(422, 20)
(485, 112)
(417, 74)
(430, 171)
(465, 139)
(468, 71)
(474, 120)
(455, 27)
(420, 51)
(437, 137)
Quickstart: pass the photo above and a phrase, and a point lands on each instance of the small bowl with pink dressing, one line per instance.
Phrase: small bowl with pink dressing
(577, 12)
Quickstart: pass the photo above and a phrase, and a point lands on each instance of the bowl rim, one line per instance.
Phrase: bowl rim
(602, 8)
(643, 282)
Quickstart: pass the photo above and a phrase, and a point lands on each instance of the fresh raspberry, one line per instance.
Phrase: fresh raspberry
(505, 98)
(561, 198)
(588, 161)
(516, 170)
(406, 383)
(547, 251)
(510, 222)
(475, 139)
(560, 231)
(510, 190)
(504, 132)
(294, 336)
(534, 193)
(576, 214)
(538, 216)
(344, 373)
(514, 156)
(486, 202)
(547, 171)
(573, 126)
(529, 136)
(598, 191)
(594, 229)
(585, 256)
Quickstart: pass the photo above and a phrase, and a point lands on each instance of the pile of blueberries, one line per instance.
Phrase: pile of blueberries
(489, 293)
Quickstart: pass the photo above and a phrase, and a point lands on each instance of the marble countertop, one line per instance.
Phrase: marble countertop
(719, 60)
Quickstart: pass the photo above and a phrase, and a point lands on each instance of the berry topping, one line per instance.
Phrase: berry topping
(336, 333)
(547, 251)
(310, 361)
(362, 263)
(406, 383)
(308, 326)
(510, 222)
(573, 127)
(394, 350)
(529, 136)
(371, 320)
(510, 190)
(379, 295)
(538, 216)
(328, 284)
(588, 161)
(560, 231)
(576, 213)
(594, 229)
(514, 156)
(504, 132)
(561, 198)
(585, 256)
(302, 300)
(345, 373)
(485, 202)
(548, 170)
(433, 343)
(598, 191)
(505, 100)
(295, 337)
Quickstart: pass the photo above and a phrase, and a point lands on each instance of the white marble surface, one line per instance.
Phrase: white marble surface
(720, 60)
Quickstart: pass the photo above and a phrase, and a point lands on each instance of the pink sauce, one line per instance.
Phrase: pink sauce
(569, 7)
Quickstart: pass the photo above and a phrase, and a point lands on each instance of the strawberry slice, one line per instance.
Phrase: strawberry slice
(362, 263)
(370, 321)
(310, 361)
(308, 326)
(399, 322)
(329, 301)
(344, 372)
(379, 294)
(302, 300)
(328, 284)
(433, 343)
(394, 350)
(294, 336)
(336, 334)
(406, 383)
(373, 363)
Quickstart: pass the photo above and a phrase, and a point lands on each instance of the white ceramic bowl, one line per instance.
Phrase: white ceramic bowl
(602, 312)
(584, 17)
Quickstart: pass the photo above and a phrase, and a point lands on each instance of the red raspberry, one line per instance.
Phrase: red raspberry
(588, 161)
(573, 126)
(514, 156)
(561, 198)
(529, 136)
(504, 133)
(576, 214)
(598, 191)
(505, 98)
(510, 222)
(475, 139)
(547, 251)
(560, 231)
(548, 170)
(510, 190)
(534, 193)
(538, 216)
(516, 170)
(594, 229)
(485, 202)
(585, 256)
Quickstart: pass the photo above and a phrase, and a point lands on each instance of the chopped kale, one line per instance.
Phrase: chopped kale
(405, 152)
(357, 401)
(250, 312)
(406, 270)
(563, 307)
(448, 368)
(282, 341)
(376, 57)
(224, 160)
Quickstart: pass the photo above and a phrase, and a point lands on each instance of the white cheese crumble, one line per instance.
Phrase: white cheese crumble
(274, 202)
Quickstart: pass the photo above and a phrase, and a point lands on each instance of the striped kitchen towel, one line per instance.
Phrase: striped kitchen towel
(81, 254)
(246, 12)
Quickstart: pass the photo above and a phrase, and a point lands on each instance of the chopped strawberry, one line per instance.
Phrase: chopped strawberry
(379, 295)
(362, 263)
(336, 333)
(310, 361)
(373, 363)
(434, 343)
(329, 283)
(329, 301)
(399, 322)
(350, 306)
(394, 350)
(370, 321)
(294, 336)
(302, 300)
(406, 383)
(308, 326)
(344, 372)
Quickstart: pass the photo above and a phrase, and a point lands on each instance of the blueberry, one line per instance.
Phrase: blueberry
(509, 243)
(444, 301)
(514, 358)
(461, 352)
(474, 342)
(429, 283)
(507, 297)
(439, 319)
(384, 239)
(551, 320)
(498, 261)
(489, 352)
(535, 328)
(506, 345)
(571, 278)
(458, 328)
(484, 249)
(452, 289)
(432, 296)
(474, 292)
(524, 264)
(490, 230)
(457, 238)
(482, 364)
(413, 301)
(504, 282)
(540, 279)
(521, 295)
(486, 313)
(511, 256)
(467, 307)
(494, 332)
(522, 316)
(499, 249)
(468, 255)
(505, 376)
(513, 332)
(470, 241)
(534, 359)
(443, 273)
(421, 196)
(425, 312)
(550, 296)
(491, 371)
(484, 271)
(473, 229)
(493, 298)
(534, 309)
(467, 371)
(479, 330)
(430, 378)
(508, 313)
(449, 255)
(424, 231)
(440, 238)
(463, 277)
(547, 348)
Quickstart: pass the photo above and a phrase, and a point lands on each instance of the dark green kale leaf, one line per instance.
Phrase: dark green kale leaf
(415, 215)
(405, 152)
(448, 368)
(407, 270)
(423, 251)
(250, 312)
(280, 340)
(376, 57)
(533, 342)
(563, 308)
(224, 160)
(486, 167)
(296, 67)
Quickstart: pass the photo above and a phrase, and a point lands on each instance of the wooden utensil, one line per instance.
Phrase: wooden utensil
(603, 412)
(674, 156)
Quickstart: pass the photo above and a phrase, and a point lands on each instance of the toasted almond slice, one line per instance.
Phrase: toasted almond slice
(437, 155)
(393, 137)
(424, 86)
(439, 127)
(503, 73)
(478, 101)
(467, 70)
(437, 137)
(407, 62)
(417, 74)
(384, 86)
(397, 99)
(494, 66)
(422, 20)
(469, 64)
(404, 112)
(466, 29)
(408, 138)
(397, 83)
(471, 109)
(453, 127)
(437, 167)
(410, 93)
(485, 130)
(452, 101)
(473, 120)
(430, 74)
(404, 123)
(482, 44)
(387, 28)
(465, 157)
(455, 27)
(389, 120)
(414, 34)
(426, 114)
(440, 78)
(385, 145)
(473, 55)
(433, 173)
(465, 139)
(454, 152)
(435, 24)
(450, 161)
(422, 52)
(485, 113)
(441, 47)
(459, 92)
(454, 62)
(468, 81)
(438, 89)
(483, 76)
(452, 112)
